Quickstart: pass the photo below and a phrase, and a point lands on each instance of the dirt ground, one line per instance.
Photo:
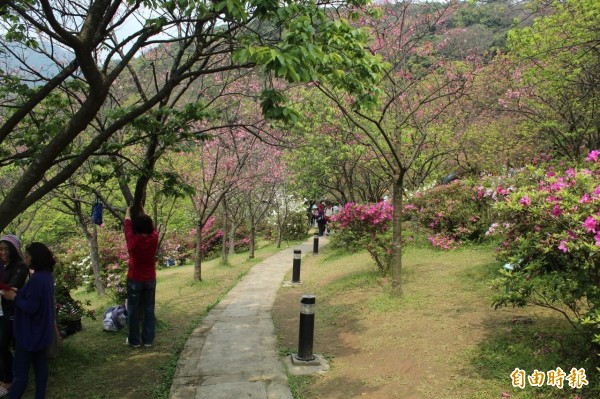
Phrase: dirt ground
(380, 347)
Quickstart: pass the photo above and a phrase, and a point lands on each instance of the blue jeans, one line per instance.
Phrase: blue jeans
(140, 299)
(23, 359)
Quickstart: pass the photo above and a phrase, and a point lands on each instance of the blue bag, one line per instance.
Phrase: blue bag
(97, 212)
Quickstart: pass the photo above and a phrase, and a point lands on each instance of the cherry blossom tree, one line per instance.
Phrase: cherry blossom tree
(417, 89)
(213, 168)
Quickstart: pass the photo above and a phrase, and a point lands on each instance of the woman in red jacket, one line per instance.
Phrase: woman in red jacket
(142, 243)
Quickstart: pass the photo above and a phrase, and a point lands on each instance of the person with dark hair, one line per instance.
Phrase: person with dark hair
(142, 244)
(321, 221)
(34, 321)
(15, 274)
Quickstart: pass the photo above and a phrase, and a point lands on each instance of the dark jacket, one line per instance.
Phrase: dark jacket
(14, 275)
(34, 312)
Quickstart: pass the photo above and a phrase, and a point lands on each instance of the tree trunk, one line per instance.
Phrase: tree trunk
(92, 239)
(232, 239)
(279, 235)
(95, 258)
(139, 195)
(224, 241)
(280, 223)
(198, 257)
(396, 265)
(252, 241)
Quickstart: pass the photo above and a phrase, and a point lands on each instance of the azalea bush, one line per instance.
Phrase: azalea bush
(367, 227)
(457, 212)
(113, 263)
(241, 239)
(211, 239)
(173, 249)
(551, 238)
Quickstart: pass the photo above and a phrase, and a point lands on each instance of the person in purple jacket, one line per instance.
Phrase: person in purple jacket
(34, 321)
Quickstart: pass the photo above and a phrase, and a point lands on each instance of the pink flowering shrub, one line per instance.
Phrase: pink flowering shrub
(456, 212)
(551, 235)
(173, 248)
(367, 227)
(211, 239)
(181, 247)
(113, 263)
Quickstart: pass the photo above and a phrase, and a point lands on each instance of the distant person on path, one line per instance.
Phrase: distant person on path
(321, 222)
(14, 274)
(336, 209)
(142, 244)
(313, 216)
(34, 321)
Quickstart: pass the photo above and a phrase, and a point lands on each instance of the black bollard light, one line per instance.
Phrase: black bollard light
(296, 266)
(307, 328)
(316, 244)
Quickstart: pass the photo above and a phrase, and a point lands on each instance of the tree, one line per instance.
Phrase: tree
(264, 174)
(416, 90)
(88, 47)
(213, 168)
(556, 75)
(327, 158)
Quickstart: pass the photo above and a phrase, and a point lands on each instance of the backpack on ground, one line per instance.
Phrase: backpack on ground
(114, 318)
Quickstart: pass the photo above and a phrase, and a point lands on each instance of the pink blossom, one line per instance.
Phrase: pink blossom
(585, 199)
(556, 211)
(593, 156)
(491, 229)
(590, 224)
(502, 191)
(525, 200)
(570, 172)
(597, 238)
(563, 246)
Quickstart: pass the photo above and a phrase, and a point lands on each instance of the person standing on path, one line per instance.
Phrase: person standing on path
(142, 243)
(321, 222)
(34, 321)
(14, 274)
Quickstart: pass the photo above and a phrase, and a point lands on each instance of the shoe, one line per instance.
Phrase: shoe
(147, 345)
(132, 345)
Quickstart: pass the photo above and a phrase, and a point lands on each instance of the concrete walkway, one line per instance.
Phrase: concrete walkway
(233, 353)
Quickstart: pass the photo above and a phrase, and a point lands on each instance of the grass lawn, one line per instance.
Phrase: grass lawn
(95, 364)
(440, 340)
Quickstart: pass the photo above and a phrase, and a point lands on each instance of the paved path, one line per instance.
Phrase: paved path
(233, 353)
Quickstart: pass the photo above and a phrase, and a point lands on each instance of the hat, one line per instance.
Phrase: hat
(14, 240)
